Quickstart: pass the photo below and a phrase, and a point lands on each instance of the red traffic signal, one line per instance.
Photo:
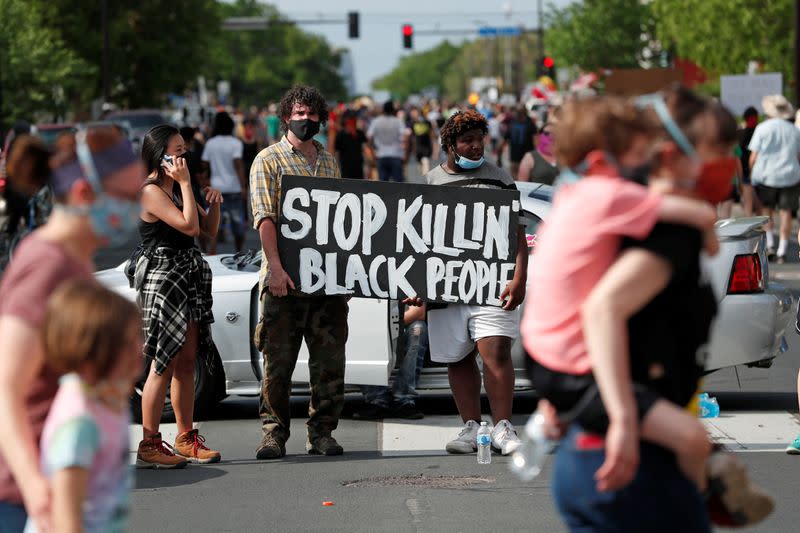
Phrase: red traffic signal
(548, 62)
(408, 34)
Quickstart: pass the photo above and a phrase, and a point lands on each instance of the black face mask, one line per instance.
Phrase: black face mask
(304, 129)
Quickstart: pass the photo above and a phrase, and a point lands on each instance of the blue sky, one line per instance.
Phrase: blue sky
(380, 46)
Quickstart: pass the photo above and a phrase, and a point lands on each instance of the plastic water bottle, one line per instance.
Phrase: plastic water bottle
(484, 441)
(709, 408)
(527, 460)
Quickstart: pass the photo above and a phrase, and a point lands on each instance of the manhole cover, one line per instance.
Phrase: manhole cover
(421, 480)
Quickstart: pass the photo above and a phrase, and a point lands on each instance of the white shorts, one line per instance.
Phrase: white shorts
(454, 330)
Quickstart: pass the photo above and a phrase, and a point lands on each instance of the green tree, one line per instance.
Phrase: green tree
(156, 48)
(449, 68)
(263, 64)
(722, 36)
(37, 70)
(420, 71)
(486, 58)
(594, 34)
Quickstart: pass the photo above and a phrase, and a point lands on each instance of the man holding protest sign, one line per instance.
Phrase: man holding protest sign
(457, 330)
(287, 315)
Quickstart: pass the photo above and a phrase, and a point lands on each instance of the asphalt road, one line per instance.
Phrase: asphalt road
(375, 487)
(382, 484)
(378, 485)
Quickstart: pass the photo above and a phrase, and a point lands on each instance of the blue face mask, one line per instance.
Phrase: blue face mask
(113, 219)
(468, 164)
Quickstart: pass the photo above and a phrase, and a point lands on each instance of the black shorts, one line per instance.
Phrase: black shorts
(423, 154)
(782, 198)
(576, 398)
(735, 196)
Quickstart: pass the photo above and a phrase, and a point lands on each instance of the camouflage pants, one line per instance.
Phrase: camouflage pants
(285, 322)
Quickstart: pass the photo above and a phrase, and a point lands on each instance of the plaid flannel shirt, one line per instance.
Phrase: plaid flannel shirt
(265, 182)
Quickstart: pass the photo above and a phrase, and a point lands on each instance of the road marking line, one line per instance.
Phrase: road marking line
(738, 431)
(791, 275)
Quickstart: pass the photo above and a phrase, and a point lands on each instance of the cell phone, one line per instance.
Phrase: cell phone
(167, 159)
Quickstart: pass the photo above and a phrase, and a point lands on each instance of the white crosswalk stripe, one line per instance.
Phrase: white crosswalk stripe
(420, 437)
(738, 431)
(752, 431)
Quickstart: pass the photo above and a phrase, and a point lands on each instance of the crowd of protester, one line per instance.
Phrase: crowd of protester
(602, 306)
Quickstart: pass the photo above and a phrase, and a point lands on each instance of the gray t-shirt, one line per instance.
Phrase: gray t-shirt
(483, 174)
(387, 133)
(483, 177)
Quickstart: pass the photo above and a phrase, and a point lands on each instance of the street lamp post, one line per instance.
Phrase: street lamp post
(507, 54)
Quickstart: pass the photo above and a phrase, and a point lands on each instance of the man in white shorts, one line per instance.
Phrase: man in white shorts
(457, 330)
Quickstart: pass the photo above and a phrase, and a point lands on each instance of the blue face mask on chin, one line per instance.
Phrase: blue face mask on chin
(468, 164)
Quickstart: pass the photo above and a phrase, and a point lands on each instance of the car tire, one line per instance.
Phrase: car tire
(206, 393)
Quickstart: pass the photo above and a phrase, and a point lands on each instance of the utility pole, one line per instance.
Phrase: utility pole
(507, 81)
(797, 52)
(540, 33)
(3, 50)
(106, 52)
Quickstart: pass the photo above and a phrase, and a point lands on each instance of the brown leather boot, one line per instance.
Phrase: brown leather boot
(155, 453)
(191, 445)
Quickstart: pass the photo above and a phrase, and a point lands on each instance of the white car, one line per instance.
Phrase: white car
(753, 317)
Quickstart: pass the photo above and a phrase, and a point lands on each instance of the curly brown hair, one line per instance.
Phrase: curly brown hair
(305, 95)
(460, 123)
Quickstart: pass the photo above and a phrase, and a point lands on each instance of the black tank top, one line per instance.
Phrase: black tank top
(159, 233)
(542, 171)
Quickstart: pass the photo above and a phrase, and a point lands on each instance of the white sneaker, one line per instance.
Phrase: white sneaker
(504, 438)
(466, 442)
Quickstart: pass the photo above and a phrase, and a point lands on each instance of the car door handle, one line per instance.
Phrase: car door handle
(232, 316)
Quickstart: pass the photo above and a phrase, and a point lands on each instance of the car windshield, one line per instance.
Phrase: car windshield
(141, 121)
(248, 261)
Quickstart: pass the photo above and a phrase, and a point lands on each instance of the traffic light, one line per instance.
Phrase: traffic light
(352, 24)
(408, 36)
(549, 67)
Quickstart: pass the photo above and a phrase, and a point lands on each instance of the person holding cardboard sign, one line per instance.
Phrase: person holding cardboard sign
(458, 330)
(288, 316)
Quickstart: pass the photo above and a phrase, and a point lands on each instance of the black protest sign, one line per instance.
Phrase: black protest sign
(397, 240)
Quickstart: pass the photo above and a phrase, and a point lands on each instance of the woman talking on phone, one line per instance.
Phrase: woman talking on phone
(174, 289)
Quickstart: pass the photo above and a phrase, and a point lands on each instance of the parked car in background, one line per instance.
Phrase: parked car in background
(122, 125)
(140, 122)
(50, 132)
(754, 314)
(754, 311)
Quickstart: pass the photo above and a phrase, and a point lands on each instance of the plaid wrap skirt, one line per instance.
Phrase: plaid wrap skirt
(174, 289)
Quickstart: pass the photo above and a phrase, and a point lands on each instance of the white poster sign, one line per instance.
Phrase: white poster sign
(740, 92)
